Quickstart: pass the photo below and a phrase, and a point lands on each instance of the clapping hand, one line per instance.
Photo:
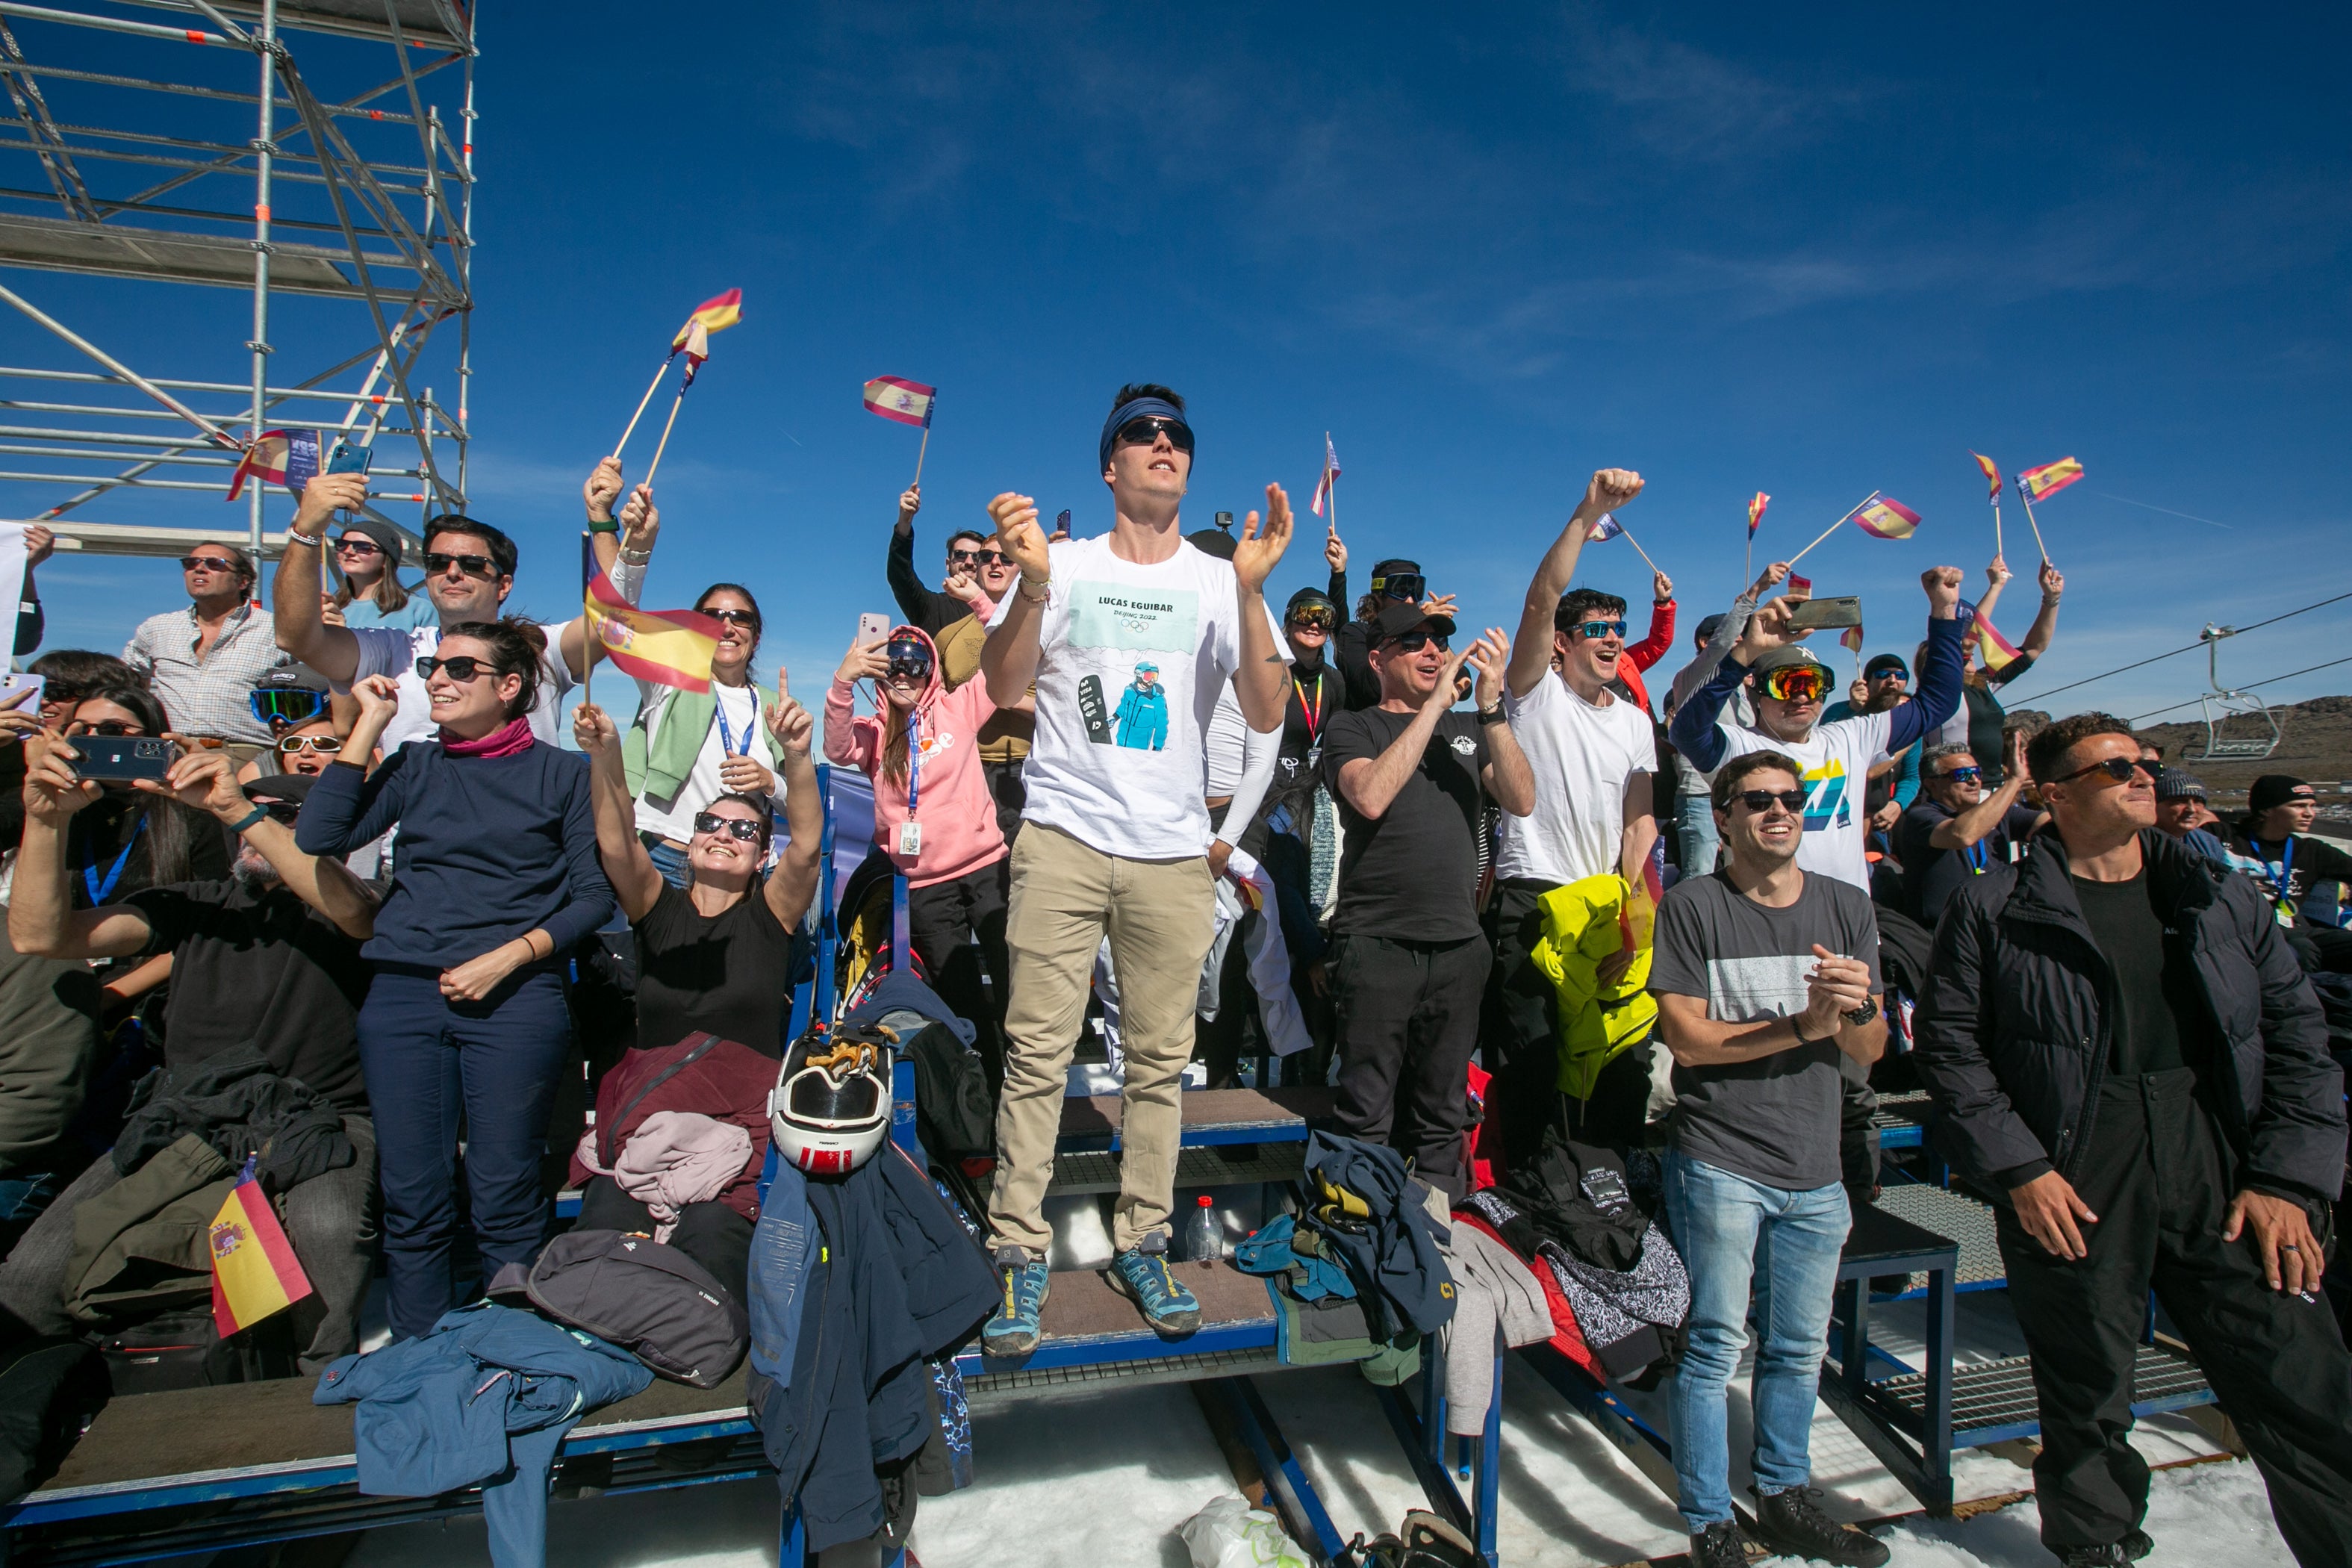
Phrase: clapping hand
(1019, 536)
(1260, 549)
(1490, 655)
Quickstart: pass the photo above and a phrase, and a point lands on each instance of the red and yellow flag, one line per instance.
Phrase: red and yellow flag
(1991, 474)
(713, 315)
(2049, 478)
(1756, 512)
(255, 1271)
(1886, 518)
(1997, 651)
(670, 647)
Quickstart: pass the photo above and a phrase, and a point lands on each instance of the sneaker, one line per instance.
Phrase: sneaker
(1141, 1274)
(1013, 1331)
(1719, 1546)
(1789, 1523)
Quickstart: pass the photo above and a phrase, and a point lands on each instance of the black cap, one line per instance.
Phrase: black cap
(2276, 789)
(386, 537)
(1398, 619)
(1212, 541)
(272, 789)
(1884, 661)
(2171, 783)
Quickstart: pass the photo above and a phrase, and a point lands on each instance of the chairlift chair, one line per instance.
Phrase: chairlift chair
(2220, 704)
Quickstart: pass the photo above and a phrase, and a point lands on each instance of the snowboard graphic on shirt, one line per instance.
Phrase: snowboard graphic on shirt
(1143, 715)
(1826, 805)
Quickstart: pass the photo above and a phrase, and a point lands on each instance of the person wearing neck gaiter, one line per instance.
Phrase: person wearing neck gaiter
(495, 879)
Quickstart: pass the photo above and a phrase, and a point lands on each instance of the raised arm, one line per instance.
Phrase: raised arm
(1531, 656)
(622, 554)
(906, 584)
(792, 884)
(42, 920)
(1699, 670)
(294, 590)
(627, 866)
(1335, 555)
(1660, 640)
(1261, 684)
(845, 742)
(1972, 826)
(348, 806)
(1939, 673)
(1509, 777)
(206, 780)
(2045, 621)
(1008, 660)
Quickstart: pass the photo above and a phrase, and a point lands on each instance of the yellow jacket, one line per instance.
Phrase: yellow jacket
(1581, 927)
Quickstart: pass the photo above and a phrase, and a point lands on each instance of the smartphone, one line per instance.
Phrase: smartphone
(350, 459)
(872, 628)
(123, 757)
(1818, 615)
(1062, 520)
(13, 691)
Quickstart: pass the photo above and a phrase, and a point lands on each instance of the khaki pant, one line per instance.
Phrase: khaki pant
(1160, 917)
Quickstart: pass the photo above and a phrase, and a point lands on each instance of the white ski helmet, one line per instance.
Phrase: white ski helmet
(831, 1107)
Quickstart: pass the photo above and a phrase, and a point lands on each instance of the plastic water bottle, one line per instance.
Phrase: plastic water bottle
(1205, 1237)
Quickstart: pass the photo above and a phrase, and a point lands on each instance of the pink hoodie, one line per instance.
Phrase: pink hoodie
(957, 812)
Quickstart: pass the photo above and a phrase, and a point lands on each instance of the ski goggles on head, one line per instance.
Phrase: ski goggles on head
(1409, 586)
(1794, 683)
(1596, 630)
(285, 704)
(744, 829)
(1146, 429)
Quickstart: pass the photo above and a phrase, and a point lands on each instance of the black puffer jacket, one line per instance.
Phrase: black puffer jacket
(2012, 1033)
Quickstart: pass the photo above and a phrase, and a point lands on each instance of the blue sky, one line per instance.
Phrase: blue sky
(1489, 248)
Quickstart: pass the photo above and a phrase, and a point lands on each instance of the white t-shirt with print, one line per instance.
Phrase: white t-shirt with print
(740, 705)
(1837, 759)
(1132, 657)
(1582, 756)
(395, 651)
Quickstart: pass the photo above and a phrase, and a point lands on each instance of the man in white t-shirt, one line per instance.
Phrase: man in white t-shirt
(1129, 638)
(469, 571)
(1592, 754)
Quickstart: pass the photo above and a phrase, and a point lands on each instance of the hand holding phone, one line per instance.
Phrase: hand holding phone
(119, 758)
(1819, 614)
(872, 628)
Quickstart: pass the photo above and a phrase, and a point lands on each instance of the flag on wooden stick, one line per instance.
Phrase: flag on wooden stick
(669, 648)
(255, 1271)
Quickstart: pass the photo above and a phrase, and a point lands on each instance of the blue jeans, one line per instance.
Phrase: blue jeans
(1733, 1231)
(428, 1061)
(670, 863)
(1696, 831)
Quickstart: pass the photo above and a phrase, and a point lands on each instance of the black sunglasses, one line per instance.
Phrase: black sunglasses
(471, 565)
(208, 563)
(1594, 631)
(2119, 769)
(1413, 642)
(1793, 800)
(461, 668)
(734, 618)
(113, 729)
(357, 544)
(1146, 429)
(981, 557)
(741, 828)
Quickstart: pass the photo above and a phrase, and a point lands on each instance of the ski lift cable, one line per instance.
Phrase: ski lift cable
(2190, 648)
(2272, 681)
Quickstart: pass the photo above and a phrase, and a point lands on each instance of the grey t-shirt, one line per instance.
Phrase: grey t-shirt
(1775, 1119)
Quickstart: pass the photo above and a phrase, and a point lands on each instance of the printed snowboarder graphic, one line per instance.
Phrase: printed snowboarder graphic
(1142, 716)
(1094, 710)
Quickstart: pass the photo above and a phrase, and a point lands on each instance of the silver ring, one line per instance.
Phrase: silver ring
(2289, 1247)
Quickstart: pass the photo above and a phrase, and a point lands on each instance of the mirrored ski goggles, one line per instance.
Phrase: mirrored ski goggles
(285, 704)
(1320, 617)
(1794, 683)
(1408, 587)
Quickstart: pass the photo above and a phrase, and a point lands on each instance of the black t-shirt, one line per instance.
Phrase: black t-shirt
(2159, 1008)
(110, 848)
(1317, 696)
(1931, 875)
(1986, 717)
(1412, 875)
(730, 973)
(257, 964)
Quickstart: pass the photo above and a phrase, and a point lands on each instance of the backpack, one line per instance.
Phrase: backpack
(1426, 1542)
(183, 1349)
(652, 1300)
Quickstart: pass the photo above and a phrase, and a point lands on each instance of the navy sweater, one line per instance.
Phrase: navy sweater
(488, 849)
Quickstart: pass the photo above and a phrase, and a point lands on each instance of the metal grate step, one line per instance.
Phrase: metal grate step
(1967, 1222)
(1200, 1165)
(1127, 1373)
(1999, 1394)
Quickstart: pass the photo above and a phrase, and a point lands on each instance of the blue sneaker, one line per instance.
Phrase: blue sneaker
(1013, 1331)
(1141, 1275)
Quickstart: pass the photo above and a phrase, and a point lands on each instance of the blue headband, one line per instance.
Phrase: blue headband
(1136, 408)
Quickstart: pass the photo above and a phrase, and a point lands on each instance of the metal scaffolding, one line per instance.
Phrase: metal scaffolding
(148, 152)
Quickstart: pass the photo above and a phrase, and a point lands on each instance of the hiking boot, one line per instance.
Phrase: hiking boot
(1013, 1331)
(2136, 1543)
(1141, 1275)
(2107, 1554)
(1719, 1546)
(1790, 1523)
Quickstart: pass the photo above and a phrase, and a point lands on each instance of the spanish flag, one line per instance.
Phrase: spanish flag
(1756, 512)
(2049, 478)
(255, 1271)
(1885, 518)
(670, 647)
(1997, 651)
(713, 315)
(1991, 474)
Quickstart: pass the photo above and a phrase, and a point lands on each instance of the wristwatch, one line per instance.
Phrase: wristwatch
(1862, 1014)
(1491, 715)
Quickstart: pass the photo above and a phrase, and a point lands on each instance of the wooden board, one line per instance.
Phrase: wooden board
(1098, 1116)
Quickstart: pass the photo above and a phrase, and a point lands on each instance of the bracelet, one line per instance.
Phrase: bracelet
(1043, 592)
(603, 525)
(1491, 715)
(636, 557)
(248, 820)
(295, 536)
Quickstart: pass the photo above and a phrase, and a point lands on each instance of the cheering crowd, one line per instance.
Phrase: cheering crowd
(1509, 892)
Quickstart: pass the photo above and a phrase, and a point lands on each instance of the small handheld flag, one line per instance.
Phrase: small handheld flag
(1991, 474)
(697, 350)
(1606, 527)
(669, 648)
(288, 457)
(1885, 518)
(1997, 651)
(1324, 488)
(713, 315)
(1851, 640)
(894, 397)
(2042, 483)
(1756, 512)
(255, 1271)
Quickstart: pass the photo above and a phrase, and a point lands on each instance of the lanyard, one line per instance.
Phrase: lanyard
(2282, 877)
(1978, 856)
(98, 891)
(1314, 715)
(727, 736)
(914, 759)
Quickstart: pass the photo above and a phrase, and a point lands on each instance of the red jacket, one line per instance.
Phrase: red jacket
(1641, 655)
(702, 1073)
